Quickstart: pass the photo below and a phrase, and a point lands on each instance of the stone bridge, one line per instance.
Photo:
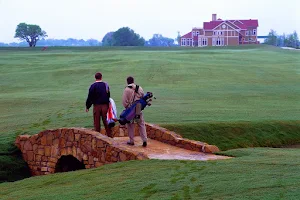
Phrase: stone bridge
(69, 149)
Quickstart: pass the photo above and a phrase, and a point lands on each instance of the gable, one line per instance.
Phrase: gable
(229, 26)
(188, 35)
(245, 24)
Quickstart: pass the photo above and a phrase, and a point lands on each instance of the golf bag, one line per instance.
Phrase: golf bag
(134, 111)
(111, 113)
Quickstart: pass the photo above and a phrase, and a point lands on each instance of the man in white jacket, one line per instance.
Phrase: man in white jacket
(131, 94)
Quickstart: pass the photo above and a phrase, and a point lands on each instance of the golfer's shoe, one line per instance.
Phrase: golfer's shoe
(144, 144)
(130, 143)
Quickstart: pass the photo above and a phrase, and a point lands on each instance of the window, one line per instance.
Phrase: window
(197, 33)
(218, 32)
(218, 42)
(247, 33)
(254, 31)
(183, 42)
(204, 41)
(189, 42)
(193, 33)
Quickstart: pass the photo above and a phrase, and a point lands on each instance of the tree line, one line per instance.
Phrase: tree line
(284, 40)
(56, 42)
(32, 35)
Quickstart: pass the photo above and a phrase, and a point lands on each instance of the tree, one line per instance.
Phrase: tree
(289, 40)
(93, 42)
(272, 38)
(30, 33)
(127, 37)
(107, 39)
(178, 38)
(159, 40)
(295, 40)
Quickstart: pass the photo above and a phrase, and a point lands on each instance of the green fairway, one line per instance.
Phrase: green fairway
(47, 89)
(232, 97)
(253, 174)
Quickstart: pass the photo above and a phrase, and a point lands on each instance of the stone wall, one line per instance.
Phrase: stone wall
(169, 137)
(42, 151)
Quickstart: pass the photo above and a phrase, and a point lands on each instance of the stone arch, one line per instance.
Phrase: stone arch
(68, 163)
(43, 151)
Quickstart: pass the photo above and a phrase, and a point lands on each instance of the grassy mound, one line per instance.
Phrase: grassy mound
(232, 135)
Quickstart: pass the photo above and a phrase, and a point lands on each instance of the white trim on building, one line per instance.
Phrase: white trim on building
(219, 41)
(183, 42)
(202, 41)
(225, 24)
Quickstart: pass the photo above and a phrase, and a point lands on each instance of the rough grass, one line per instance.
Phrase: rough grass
(258, 173)
(232, 135)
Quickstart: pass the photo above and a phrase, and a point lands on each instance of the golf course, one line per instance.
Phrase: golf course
(244, 99)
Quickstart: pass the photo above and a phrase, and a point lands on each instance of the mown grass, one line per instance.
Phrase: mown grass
(47, 89)
(233, 97)
(258, 173)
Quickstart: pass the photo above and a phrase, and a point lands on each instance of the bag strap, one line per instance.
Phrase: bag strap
(137, 88)
(135, 92)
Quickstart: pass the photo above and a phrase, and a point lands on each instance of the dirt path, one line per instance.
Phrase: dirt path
(159, 150)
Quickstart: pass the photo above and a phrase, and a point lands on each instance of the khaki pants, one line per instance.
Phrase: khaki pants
(142, 129)
(100, 111)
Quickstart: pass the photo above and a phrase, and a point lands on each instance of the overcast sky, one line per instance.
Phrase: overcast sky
(84, 19)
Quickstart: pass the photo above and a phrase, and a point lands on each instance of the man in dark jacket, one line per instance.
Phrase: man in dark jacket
(98, 96)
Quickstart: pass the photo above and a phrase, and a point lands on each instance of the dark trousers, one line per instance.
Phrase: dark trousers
(100, 111)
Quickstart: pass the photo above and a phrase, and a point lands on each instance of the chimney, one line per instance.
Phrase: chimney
(214, 17)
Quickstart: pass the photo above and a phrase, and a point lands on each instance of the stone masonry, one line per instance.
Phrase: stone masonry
(42, 151)
(169, 137)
